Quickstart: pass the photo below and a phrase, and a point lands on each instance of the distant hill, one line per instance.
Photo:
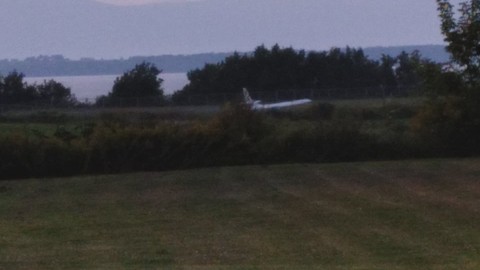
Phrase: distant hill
(436, 53)
(58, 65)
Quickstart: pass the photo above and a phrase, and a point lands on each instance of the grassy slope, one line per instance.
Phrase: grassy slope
(379, 215)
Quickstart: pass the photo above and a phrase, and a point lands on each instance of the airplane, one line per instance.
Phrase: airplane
(258, 105)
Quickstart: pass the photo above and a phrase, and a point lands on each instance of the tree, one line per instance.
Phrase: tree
(408, 66)
(140, 86)
(275, 69)
(451, 117)
(14, 90)
(463, 35)
(56, 93)
(387, 63)
(141, 81)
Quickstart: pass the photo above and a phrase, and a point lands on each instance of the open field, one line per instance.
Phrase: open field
(88, 113)
(376, 215)
(376, 111)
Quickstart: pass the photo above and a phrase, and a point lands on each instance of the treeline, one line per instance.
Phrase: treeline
(142, 83)
(286, 68)
(265, 70)
(13, 90)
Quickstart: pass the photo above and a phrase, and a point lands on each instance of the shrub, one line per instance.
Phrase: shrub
(321, 111)
(55, 157)
(21, 157)
(450, 124)
(15, 157)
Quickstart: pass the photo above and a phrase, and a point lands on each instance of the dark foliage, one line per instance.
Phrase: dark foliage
(236, 136)
(55, 93)
(285, 68)
(451, 117)
(138, 86)
(462, 33)
(13, 90)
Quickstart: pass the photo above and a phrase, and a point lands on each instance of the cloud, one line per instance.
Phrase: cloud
(142, 2)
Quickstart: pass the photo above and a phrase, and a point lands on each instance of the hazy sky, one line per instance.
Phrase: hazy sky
(123, 28)
(142, 2)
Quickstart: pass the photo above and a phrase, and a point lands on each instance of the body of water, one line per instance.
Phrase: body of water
(87, 88)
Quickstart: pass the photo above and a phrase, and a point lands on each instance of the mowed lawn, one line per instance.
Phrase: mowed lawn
(377, 215)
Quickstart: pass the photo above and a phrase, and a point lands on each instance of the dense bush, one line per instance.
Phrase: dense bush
(451, 123)
(22, 157)
(235, 136)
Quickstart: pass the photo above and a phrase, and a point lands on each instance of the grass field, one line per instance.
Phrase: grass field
(377, 215)
(46, 122)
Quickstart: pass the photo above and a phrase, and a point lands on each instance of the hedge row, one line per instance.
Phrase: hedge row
(236, 136)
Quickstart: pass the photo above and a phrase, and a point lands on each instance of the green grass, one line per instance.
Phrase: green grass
(37, 130)
(377, 215)
(46, 122)
(378, 102)
(378, 114)
(88, 114)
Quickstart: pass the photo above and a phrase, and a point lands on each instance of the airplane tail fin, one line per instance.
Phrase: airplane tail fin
(246, 97)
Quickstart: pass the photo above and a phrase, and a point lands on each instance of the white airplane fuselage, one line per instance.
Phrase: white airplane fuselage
(258, 105)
